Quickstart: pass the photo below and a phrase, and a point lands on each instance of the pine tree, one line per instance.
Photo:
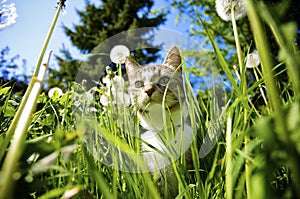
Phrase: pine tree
(287, 13)
(206, 11)
(10, 71)
(98, 23)
(283, 11)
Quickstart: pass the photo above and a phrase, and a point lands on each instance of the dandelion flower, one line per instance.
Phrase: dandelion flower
(253, 60)
(54, 90)
(118, 54)
(8, 14)
(224, 9)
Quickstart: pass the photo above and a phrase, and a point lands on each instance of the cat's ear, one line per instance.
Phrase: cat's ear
(173, 59)
(131, 65)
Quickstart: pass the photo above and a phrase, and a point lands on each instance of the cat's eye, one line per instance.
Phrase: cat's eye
(139, 84)
(164, 80)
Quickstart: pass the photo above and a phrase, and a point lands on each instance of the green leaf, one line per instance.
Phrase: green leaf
(293, 117)
(4, 90)
(56, 193)
(40, 146)
(9, 111)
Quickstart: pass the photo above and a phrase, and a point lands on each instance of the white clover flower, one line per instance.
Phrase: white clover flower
(55, 90)
(8, 14)
(253, 59)
(223, 8)
(118, 54)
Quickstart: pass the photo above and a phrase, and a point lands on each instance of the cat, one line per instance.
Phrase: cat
(157, 94)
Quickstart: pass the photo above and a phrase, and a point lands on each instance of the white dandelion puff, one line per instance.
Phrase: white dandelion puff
(118, 54)
(253, 59)
(8, 14)
(224, 7)
(55, 91)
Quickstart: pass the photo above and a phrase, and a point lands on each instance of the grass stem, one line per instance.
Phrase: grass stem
(21, 121)
(13, 124)
(229, 167)
(266, 61)
(239, 51)
(243, 86)
(15, 150)
(287, 45)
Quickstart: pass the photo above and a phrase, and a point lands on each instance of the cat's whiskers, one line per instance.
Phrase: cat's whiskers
(143, 111)
(173, 107)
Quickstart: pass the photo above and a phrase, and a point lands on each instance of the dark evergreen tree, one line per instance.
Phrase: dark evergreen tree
(206, 11)
(283, 11)
(100, 22)
(11, 69)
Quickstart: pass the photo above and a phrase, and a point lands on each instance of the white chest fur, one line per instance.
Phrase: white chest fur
(168, 136)
(156, 117)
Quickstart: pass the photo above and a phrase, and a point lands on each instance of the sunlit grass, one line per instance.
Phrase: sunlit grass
(73, 152)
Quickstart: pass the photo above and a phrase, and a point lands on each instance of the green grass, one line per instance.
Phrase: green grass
(257, 154)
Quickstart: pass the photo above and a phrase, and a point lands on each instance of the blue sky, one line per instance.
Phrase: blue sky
(26, 37)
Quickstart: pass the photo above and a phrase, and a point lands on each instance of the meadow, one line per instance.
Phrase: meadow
(47, 148)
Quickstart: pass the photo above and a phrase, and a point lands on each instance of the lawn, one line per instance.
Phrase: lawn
(71, 146)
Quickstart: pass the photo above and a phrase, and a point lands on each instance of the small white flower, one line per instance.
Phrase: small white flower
(104, 100)
(115, 84)
(115, 87)
(253, 60)
(8, 14)
(223, 8)
(55, 90)
(118, 54)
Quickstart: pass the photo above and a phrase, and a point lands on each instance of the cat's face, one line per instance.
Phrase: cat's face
(156, 84)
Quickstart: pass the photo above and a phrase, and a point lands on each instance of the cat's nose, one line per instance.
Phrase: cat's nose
(149, 90)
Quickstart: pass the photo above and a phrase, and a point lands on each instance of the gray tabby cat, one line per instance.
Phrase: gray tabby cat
(158, 97)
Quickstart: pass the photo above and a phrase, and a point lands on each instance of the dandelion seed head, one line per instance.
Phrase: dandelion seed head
(223, 8)
(63, 2)
(118, 54)
(64, 12)
(253, 59)
(8, 14)
(54, 90)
